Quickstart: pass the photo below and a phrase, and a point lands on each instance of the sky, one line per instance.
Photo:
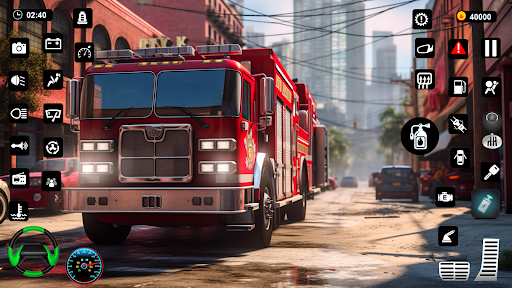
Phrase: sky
(393, 20)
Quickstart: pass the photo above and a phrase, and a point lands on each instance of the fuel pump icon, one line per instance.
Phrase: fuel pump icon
(420, 136)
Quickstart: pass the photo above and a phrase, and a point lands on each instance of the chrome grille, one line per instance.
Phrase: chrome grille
(146, 156)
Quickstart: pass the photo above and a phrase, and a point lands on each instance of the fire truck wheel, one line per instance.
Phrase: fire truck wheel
(297, 210)
(104, 233)
(4, 206)
(55, 203)
(260, 236)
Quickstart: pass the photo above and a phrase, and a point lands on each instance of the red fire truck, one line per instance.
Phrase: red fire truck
(184, 136)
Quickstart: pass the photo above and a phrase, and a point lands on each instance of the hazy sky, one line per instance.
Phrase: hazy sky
(393, 20)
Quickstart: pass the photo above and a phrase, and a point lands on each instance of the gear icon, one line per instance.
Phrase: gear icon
(421, 19)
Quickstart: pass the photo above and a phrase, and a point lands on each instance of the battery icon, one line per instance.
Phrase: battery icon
(484, 205)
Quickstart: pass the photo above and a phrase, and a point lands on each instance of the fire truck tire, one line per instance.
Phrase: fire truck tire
(261, 235)
(297, 210)
(104, 233)
(4, 207)
(55, 202)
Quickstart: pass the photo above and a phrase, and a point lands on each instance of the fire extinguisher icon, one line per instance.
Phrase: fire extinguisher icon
(419, 137)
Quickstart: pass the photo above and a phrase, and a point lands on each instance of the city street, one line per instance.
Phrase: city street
(348, 239)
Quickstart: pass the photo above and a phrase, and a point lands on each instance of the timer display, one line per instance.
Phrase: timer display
(32, 15)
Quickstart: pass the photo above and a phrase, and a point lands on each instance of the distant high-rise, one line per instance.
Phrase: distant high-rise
(237, 7)
(323, 75)
(254, 39)
(284, 52)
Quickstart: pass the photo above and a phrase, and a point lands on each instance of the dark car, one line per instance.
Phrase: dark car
(425, 181)
(463, 180)
(372, 179)
(348, 181)
(397, 182)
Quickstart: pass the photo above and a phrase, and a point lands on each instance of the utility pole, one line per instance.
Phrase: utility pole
(414, 103)
(479, 103)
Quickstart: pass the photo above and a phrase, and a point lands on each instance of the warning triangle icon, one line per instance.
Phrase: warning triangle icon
(458, 49)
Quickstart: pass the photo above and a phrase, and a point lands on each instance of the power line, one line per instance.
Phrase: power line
(356, 101)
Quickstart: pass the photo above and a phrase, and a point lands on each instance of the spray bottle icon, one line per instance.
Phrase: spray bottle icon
(419, 137)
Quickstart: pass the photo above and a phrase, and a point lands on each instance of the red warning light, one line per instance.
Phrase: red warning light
(458, 49)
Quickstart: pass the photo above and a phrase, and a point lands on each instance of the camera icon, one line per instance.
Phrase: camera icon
(19, 48)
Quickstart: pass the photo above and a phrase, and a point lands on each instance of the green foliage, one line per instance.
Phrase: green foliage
(392, 123)
(338, 147)
(35, 64)
(505, 259)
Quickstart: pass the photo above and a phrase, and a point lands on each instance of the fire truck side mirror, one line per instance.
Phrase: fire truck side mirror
(267, 96)
(72, 100)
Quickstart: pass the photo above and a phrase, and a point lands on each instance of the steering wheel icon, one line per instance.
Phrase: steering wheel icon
(33, 251)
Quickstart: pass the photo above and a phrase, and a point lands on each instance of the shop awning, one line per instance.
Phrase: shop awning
(444, 140)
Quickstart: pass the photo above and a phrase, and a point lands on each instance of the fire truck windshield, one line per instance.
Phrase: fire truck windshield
(202, 92)
(104, 95)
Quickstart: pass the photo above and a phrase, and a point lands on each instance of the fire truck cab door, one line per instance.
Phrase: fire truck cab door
(249, 114)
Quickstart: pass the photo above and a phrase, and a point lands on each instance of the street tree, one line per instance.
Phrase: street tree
(392, 123)
(35, 64)
(338, 148)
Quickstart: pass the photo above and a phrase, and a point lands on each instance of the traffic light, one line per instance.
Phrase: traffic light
(355, 125)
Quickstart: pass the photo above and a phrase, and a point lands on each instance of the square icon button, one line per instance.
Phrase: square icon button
(18, 211)
(491, 86)
(82, 18)
(460, 157)
(445, 196)
(50, 181)
(18, 113)
(425, 79)
(458, 123)
(458, 49)
(448, 236)
(19, 178)
(490, 171)
(491, 48)
(458, 86)
(421, 19)
(84, 52)
(485, 203)
(19, 145)
(53, 146)
(18, 80)
(53, 79)
(53, 43)
(424, 47)
(53, 113)
(19, 47)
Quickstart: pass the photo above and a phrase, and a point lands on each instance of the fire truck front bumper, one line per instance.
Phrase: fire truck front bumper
(215, 200)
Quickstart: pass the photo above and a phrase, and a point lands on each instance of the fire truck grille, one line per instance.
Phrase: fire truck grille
(146, 155)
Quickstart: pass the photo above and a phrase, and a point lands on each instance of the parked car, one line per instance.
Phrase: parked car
(425, 181)
(5, 197)
(34, 195)
(332, 183)
(348, 181)
(463, 180)
(372, 179)
(397, 182)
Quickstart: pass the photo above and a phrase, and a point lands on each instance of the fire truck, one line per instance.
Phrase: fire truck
(184, 136)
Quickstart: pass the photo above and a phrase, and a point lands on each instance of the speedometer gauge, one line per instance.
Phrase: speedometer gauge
(84, 266)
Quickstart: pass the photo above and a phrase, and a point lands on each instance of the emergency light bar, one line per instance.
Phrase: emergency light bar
(227, 49)
(114, 54)
(166, 51)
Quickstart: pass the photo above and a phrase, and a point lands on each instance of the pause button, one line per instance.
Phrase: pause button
(491, 48)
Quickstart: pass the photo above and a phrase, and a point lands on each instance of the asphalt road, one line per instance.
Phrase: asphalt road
(348, 239)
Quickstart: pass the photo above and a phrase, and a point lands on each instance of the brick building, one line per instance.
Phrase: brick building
(114, 27)
(206, 22)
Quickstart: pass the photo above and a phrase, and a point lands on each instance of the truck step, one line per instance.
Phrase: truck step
(241, 228)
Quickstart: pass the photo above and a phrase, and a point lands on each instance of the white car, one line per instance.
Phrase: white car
(5, 197)
(460, 157)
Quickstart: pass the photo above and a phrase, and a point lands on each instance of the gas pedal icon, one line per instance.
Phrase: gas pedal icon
(425, 79)
(490, 254)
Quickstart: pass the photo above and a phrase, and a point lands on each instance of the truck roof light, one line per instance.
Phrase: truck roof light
(166, 51)
(226, 49)
(114, 54)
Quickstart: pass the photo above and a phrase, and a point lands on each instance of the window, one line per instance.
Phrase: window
(4, 26)
(209, 31)
(60, 24)
(246, 106)
(100, 38)
(33, 30)
(215, 35)
(121, 44)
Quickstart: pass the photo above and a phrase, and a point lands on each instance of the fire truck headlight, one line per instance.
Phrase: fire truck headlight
(223, 168)
(103, 146)
(96, 145)
(87, 168)
(207, 144)
(207, 168)
(223, 145)
(102, 168)
(87, 146)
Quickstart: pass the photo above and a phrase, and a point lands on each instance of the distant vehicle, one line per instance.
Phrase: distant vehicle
(372, 179)
(348, 181)
(463, 180)
(34, 195)
(397, 182)
(332, 183)
(5, 197)
(425, 181)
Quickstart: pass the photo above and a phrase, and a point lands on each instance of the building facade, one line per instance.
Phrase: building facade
(221, 24)
(284, 51)
(114, 27)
